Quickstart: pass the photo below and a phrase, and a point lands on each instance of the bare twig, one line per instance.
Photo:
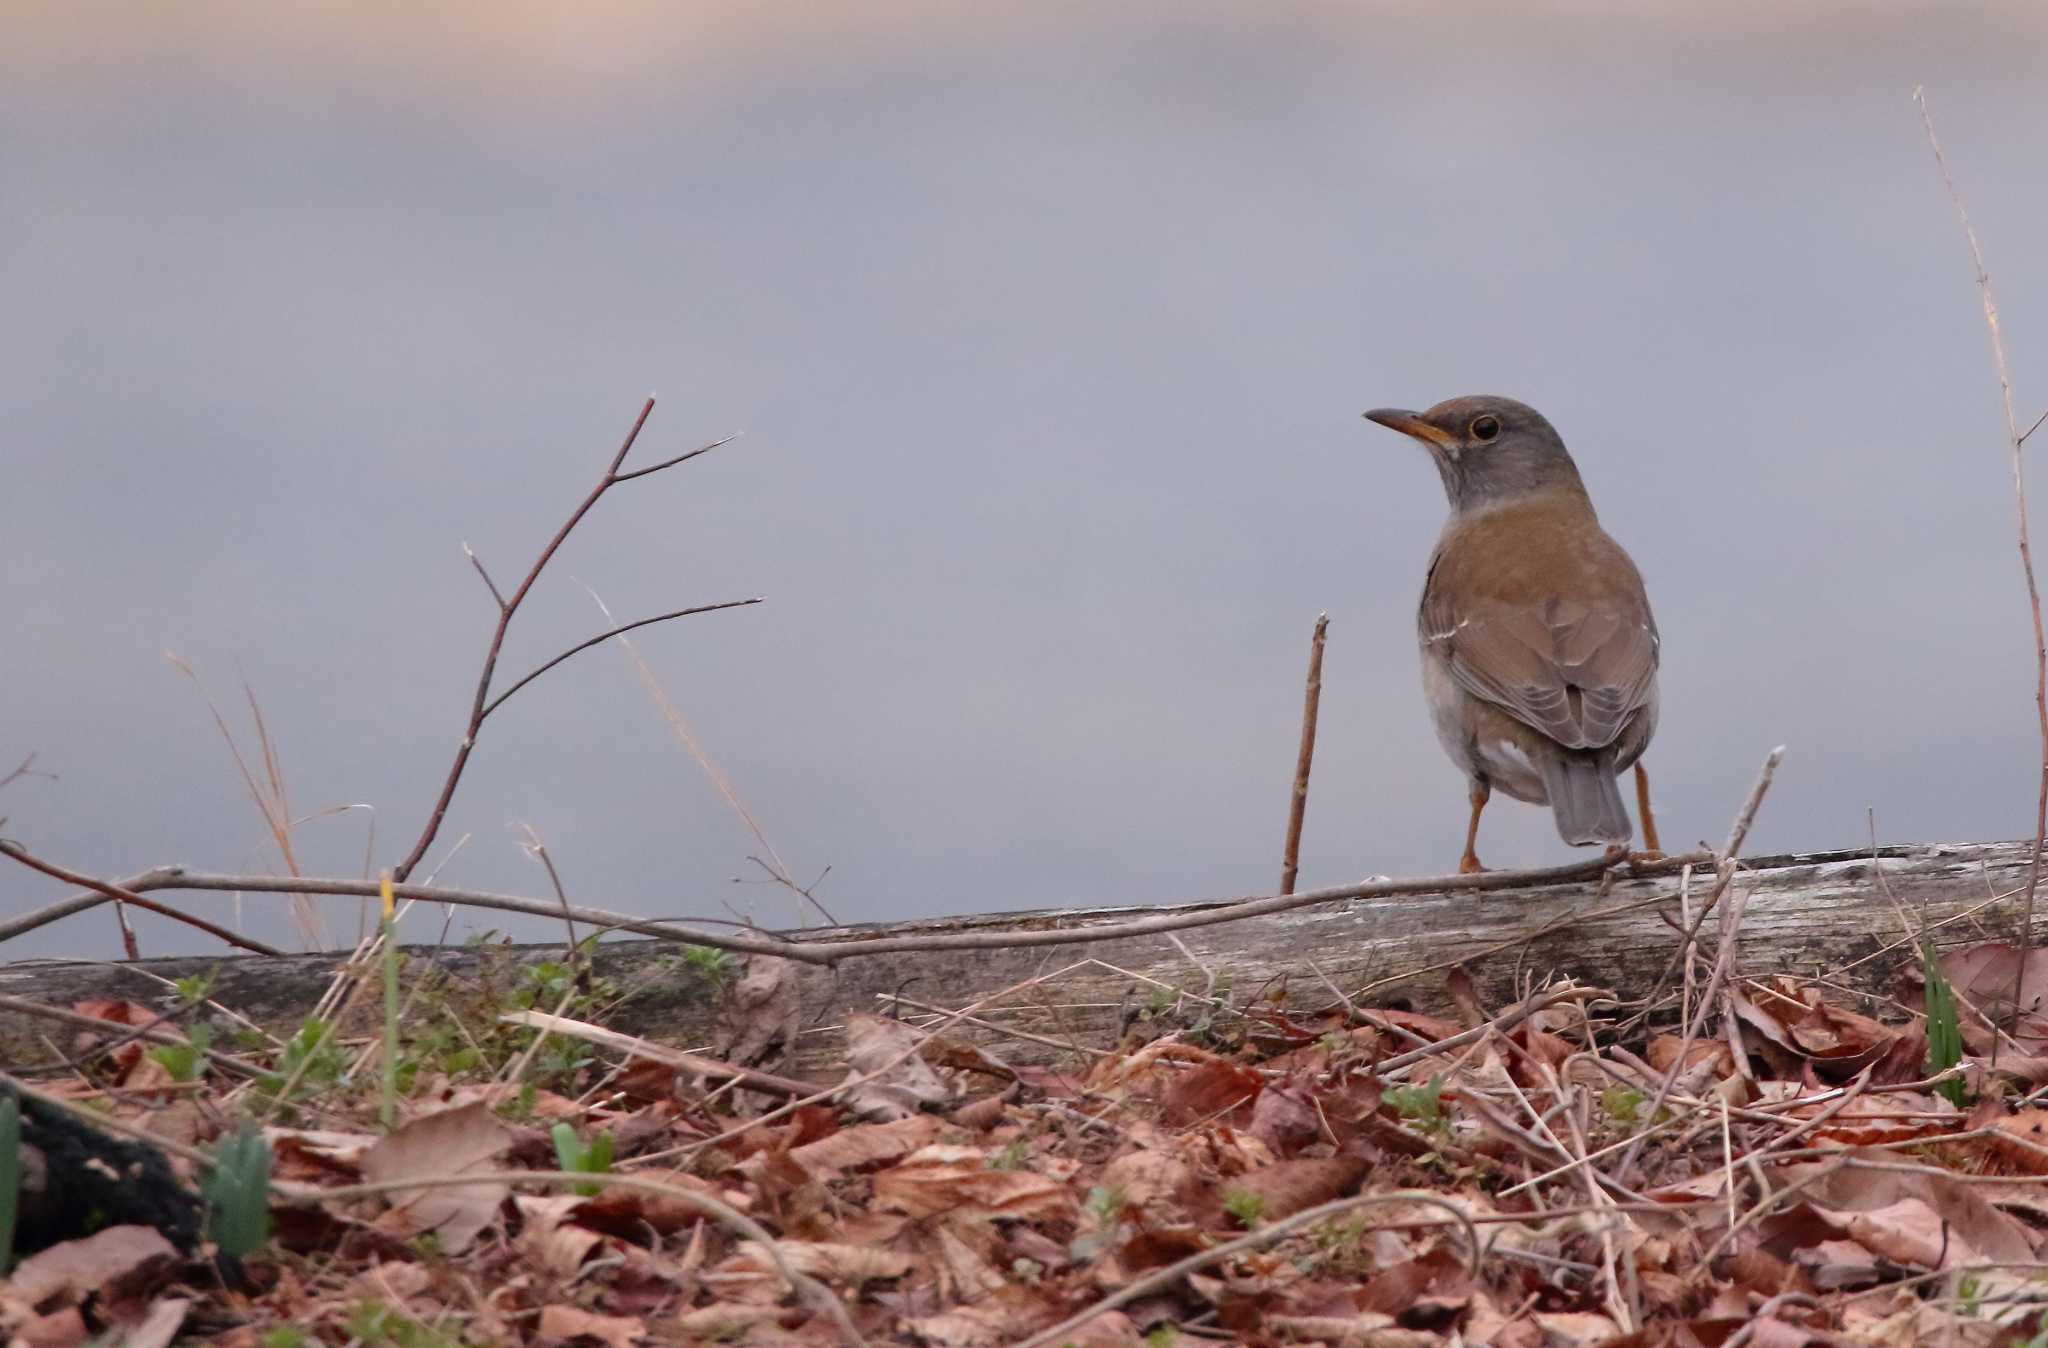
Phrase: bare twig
(2017, 442)
(1297, 802)
(1731, 925)
(1725, 866)
(767, 1083)
(539, 850)
(26, 769)
(489, 584)
(106, 889)
(482, 704)
(602, 637)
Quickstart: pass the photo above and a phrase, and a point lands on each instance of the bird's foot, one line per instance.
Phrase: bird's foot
(1647, 854)
(1469, 865)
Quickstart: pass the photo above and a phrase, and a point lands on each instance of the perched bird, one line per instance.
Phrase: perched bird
(1539, 654)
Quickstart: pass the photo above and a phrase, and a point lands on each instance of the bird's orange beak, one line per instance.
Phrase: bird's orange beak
(1408, 423)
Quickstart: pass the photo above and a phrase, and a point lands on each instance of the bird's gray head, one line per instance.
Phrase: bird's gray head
(1489, 450)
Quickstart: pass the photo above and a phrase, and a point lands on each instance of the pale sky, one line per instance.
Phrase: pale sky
(1048, 327)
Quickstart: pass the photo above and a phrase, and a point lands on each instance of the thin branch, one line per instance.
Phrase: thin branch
(1297, 803)
(2024, 437)
(2019, 489)
(489, 584)
(27, 769)
(107, 890)
(481, 703)
(1724, 872)
(540, 852)
(602, 637)
(680, 458)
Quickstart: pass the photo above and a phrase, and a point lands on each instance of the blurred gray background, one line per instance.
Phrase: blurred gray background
(1048, 326)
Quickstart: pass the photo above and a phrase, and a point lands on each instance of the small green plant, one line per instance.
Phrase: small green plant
(186, 1061)
(376, 1325)
(1245, 1207)
(1162, 1336)
(285, 1336)
(238, 1192)
(584, 1158)
(1419, 1104)
(712, 966)
(196, 988)
(1623, 1104)
(312, 1061)
(1944, 1026)
(1970, 1295)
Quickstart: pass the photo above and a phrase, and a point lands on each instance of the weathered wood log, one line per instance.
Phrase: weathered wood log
(1842, 914)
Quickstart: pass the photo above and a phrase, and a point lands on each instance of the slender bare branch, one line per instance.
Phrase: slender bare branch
(27, 769)
(603, 637)
(2017, 443)
(489, 584)
(106, 890)
(680, 458)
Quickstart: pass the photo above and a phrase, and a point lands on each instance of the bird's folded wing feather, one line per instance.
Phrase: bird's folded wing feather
(1576, 670)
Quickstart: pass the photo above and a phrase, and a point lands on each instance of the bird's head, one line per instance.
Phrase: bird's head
(1489, 450)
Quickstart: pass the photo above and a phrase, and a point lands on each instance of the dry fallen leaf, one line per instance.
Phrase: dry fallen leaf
(956, 1182)
(128, 1260)
(1795, 1018)
(462, 1140)
(906, 1084)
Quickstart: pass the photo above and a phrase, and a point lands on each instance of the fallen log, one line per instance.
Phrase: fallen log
(1851, 916)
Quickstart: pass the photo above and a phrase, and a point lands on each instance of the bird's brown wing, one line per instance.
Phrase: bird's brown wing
(1564, 643)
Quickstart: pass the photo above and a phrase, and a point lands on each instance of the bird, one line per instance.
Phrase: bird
(1539, 651)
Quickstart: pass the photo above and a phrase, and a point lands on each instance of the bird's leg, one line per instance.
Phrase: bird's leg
(1651, 851)
(1469, 863)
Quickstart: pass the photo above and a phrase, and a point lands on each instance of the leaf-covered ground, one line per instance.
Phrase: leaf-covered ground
(1772, 1169)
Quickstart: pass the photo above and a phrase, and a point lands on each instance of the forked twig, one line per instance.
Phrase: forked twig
(483, 704)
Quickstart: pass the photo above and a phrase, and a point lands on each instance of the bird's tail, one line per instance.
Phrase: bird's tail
(1584, 798)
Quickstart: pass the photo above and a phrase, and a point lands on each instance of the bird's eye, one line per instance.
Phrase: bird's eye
(1485, 428)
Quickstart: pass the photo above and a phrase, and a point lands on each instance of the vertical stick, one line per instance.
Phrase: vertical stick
(2016, 440)
(387, 1111)
(1297, 806)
